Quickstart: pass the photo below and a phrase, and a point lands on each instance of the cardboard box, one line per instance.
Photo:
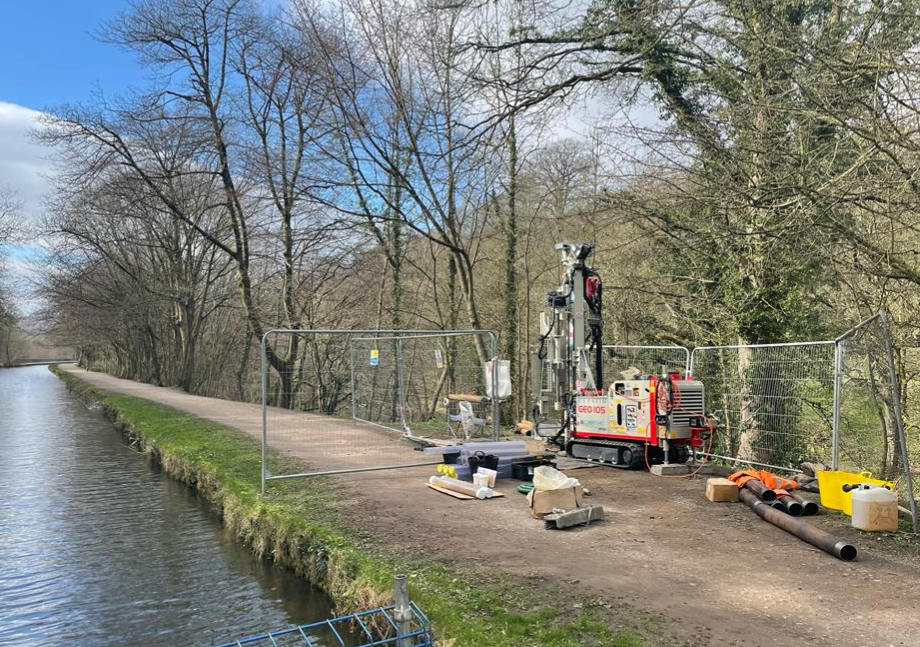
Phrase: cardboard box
(542, 502)
(720, 490)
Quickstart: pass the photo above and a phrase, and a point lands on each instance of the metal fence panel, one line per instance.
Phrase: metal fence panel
(870, 425)
(376, 382)
(424, 371)
(401, 624)
(834, 402)
(774, 402)
(343, 400)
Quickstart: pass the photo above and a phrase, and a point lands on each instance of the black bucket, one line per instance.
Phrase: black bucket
(481, 459)
(450, 458)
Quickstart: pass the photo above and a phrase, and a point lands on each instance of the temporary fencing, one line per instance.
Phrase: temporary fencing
(350, 399)
(410, 387)
(401, 624)
(774, 402)
(834, 402)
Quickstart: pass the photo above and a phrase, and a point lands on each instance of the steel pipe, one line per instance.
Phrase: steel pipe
(804, 531)
(791, 506)
(809, 507)
(761, 490)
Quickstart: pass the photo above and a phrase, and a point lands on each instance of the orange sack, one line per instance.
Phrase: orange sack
(775, 482)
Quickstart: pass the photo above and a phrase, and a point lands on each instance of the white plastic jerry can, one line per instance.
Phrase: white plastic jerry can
(875, 508)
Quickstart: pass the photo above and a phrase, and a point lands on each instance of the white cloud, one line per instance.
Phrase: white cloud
(24, 167)
(23, 163)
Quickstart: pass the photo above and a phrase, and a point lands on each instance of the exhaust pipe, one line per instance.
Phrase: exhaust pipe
(814, 536)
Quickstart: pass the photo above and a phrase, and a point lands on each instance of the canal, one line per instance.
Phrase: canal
(98, 548)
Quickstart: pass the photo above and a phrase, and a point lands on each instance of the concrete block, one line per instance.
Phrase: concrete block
(578, 517)
(674, 469)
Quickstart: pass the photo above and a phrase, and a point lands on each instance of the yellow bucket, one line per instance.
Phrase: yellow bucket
(831, 482)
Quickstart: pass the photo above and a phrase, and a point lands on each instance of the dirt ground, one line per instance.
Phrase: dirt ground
(716, 572)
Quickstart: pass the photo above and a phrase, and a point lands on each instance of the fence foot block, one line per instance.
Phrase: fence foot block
(711, 469)
(673, 469)
(577, 517)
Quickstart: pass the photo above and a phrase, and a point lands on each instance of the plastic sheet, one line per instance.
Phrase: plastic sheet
(504, 377)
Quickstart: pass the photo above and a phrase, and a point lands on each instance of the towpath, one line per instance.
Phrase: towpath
(720, 575)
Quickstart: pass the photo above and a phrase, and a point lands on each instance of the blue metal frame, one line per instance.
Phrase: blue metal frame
(363, 622)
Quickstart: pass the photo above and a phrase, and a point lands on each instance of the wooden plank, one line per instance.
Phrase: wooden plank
(466, 397)
(456, 495)
(461, 495)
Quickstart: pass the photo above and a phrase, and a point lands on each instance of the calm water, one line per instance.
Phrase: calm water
(97, 548)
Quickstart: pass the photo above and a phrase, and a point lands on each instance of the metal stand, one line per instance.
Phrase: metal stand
(402, 612)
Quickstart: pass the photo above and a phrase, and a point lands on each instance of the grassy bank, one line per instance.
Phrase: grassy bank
(299, 525)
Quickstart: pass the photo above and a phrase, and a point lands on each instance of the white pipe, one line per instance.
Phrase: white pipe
(462, 487)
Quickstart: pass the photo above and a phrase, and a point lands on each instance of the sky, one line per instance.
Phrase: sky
(49, 57)
(48, 54)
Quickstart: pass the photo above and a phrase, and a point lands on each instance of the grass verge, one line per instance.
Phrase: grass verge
(300, 526)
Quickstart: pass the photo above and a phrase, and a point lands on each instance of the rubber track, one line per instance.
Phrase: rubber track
(638, 451)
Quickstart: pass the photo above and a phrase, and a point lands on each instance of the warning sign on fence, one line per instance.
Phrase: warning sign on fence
(375, 357)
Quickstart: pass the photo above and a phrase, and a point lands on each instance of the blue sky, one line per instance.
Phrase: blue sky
(48, 55)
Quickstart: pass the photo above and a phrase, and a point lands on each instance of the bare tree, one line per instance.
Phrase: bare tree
(9, 226)
(400, 101)
(121, 224)
(229, 106)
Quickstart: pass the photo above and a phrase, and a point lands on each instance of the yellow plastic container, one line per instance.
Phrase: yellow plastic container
(831, 482)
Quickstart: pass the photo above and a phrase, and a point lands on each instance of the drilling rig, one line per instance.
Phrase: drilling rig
(636, 419)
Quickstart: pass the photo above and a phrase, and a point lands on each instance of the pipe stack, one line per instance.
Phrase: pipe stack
(787, 503)
(505, 451)
(760, 490)
(809, 507)
(775, 491)
(771, 498)
(814, 536)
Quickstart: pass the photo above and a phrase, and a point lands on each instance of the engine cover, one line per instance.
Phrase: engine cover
(630, 411)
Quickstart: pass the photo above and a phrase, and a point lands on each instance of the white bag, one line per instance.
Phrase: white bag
(549, 478)
(504, 378)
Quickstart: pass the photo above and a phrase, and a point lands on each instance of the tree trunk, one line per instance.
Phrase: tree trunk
(747, 404)
(243, 364)
(465, 274)
(511, 282)
(453, 316)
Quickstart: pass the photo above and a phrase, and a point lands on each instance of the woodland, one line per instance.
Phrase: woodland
(747, 170)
